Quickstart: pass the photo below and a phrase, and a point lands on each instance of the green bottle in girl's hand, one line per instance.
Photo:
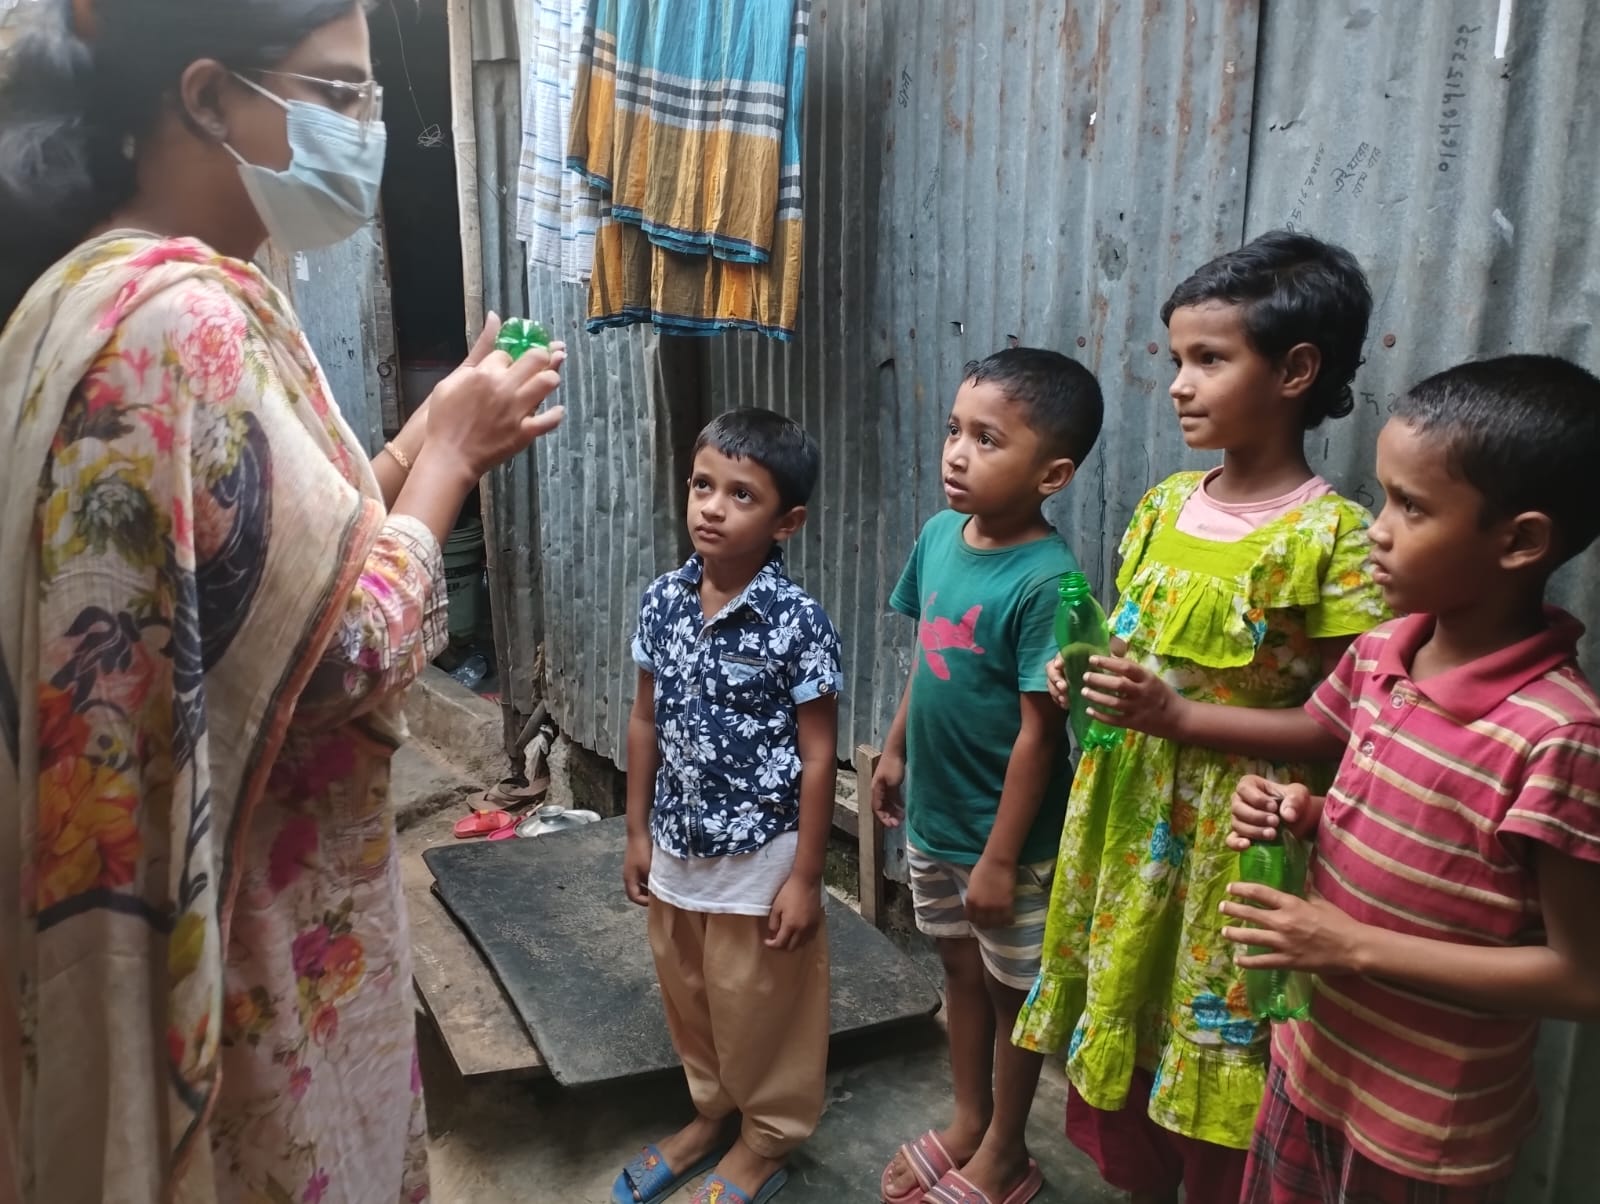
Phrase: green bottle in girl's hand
(517, 335)
(1082, 632)
(1281, 865)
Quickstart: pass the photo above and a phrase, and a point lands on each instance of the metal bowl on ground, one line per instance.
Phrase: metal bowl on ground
(555, 818)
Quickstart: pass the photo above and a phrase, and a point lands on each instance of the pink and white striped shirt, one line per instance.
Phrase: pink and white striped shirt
(1427, 830)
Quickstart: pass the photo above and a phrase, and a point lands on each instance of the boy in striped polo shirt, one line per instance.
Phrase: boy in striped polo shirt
(1458, 851)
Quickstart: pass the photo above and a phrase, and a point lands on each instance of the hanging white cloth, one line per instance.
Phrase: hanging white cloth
(557, 213)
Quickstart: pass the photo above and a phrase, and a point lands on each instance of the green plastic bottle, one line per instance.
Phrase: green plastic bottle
(517, 335)
(1082, 632)
(1281, 865)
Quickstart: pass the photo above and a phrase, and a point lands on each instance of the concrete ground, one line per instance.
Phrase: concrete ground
(500, 1141)
(534, 1142)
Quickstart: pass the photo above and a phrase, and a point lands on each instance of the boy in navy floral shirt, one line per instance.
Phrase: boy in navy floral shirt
(732, 760)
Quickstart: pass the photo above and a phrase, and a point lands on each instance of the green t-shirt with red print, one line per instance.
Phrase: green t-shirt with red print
(985, 633)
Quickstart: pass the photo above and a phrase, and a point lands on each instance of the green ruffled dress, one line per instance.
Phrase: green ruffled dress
(1135, 971)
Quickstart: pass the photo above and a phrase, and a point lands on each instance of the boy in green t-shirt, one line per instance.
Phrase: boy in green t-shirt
(983, 752)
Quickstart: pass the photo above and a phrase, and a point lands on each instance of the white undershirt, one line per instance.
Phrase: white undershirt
(743, 884)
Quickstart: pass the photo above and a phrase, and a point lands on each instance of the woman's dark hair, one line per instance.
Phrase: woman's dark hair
(68, 106)
(1293, 288)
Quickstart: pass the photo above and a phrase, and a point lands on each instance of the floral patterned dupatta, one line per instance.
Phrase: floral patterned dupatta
(197, 544)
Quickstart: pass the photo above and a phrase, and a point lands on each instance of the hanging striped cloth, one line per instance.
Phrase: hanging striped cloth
(686, 125)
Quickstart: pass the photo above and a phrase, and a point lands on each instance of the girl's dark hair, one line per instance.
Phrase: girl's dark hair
(68, 107)
(1293, 288)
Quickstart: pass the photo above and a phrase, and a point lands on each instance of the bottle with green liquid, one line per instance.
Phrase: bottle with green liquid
(1082, 632)
(518, 335)
(1281, 865)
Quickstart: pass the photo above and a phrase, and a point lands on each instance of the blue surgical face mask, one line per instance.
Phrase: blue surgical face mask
(330, 188)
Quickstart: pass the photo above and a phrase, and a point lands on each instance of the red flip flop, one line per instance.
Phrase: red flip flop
(482, 823)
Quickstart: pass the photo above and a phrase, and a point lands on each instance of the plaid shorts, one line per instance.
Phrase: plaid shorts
(1297, 1160)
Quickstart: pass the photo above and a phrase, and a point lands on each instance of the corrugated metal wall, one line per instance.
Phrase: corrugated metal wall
(1045, 171)
(968, 174)
(1463, 168)
(609, 500)
(577, 525)
(966, 185)
(341, 295)
(510, 499)
(13, 15)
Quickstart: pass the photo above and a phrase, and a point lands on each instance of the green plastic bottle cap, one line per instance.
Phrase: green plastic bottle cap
(517, 335)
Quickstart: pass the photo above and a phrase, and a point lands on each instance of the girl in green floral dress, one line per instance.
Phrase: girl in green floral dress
(1239, 587)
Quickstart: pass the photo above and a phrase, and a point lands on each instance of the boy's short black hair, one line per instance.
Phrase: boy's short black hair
(1061, 396)
(1293, 289)
(778, 444)
(1524, 431)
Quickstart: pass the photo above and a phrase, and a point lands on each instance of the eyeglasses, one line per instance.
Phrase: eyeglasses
(363, 101)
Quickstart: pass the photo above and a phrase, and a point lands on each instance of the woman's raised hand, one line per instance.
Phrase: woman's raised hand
(488, 410)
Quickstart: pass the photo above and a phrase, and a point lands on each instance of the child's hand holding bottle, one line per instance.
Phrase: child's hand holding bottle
(1124, 693)
(1060, 688)
(1056, 674)
(1278, 861)
(1261, 806)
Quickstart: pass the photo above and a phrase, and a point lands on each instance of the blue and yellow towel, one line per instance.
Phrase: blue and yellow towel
(687, 123)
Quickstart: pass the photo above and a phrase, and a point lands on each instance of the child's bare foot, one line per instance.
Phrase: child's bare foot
(961, 1140)
(696, 1140)
(747, 1170)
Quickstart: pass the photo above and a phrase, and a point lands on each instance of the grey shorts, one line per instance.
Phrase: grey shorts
(939, 899)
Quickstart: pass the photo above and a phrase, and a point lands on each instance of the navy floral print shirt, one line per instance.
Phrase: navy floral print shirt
(727, 693)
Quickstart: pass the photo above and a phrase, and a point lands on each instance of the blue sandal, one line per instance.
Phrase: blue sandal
(717, 1190)
(649, 1180)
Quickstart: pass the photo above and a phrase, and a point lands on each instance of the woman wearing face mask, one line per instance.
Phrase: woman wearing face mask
(210, 602)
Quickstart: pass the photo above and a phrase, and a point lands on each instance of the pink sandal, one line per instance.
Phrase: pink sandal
(482, 823)
(956, 1188)
(929, 1162)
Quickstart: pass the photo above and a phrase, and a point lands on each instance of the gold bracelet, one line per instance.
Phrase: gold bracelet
(399, 456)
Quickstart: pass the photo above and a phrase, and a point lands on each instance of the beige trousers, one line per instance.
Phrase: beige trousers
(749, 1023)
